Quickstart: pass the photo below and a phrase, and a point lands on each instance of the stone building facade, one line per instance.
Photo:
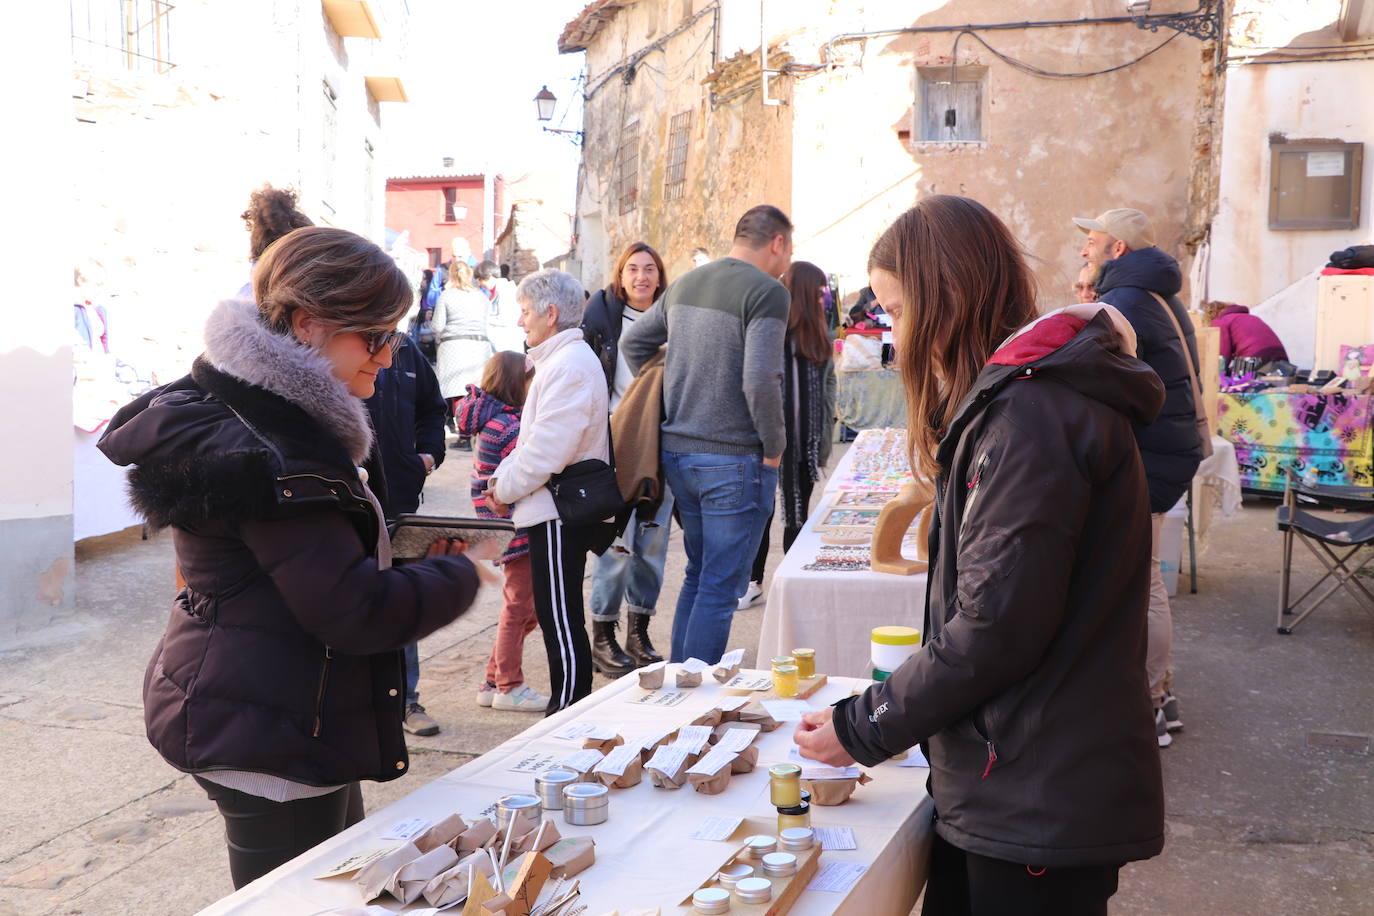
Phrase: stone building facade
(683, 130)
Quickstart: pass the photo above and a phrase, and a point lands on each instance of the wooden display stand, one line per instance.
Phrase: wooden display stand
(785, 890)
(805, 687)
(893, 521)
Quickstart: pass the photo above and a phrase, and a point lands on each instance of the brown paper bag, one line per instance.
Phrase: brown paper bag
(372, 880)
(723, 674)
(570, 856)
(673, 780)
(746, 761)
(479, 833)
(651, 678)
(525, 843)
(602, 745)
(755, 713)
(713, 784)
(833, 791)
(633, 776)
(441, 834)
(452, 885)
(688, 678)
(411, 879)
(710, 717)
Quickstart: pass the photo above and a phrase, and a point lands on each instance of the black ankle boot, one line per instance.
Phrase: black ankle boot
(637, 641)
(607, 656)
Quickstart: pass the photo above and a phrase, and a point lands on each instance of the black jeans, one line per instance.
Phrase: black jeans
(964, 884)
(263, 834)
(558, 562)
(789, 534)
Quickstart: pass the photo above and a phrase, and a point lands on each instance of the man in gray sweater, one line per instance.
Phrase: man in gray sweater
(722, 435)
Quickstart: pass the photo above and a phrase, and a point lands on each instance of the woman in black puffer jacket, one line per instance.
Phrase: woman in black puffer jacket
(278, 682)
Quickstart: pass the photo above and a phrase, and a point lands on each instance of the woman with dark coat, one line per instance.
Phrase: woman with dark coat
(1029, 693)
(278, 682)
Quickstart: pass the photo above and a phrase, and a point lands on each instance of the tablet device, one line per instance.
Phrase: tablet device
(412, 534)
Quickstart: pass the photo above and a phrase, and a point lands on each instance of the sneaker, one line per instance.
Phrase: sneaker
(419, 722)
(521, 699)
(485, 694)
(1171, 719)
(1162, 730)
(752, 595)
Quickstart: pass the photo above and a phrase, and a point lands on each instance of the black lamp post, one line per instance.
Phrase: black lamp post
(544, 104)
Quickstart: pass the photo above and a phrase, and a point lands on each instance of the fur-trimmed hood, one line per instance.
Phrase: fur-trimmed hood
(237, 343)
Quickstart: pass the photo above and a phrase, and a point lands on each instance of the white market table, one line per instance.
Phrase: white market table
(644, 856)
(834, 612)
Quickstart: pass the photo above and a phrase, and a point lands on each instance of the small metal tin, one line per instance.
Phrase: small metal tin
(507, 806)
(797, 839)
(779, 864)
(549, 784)
(754, 890)
(711, 900)
(586, 804)
(759, 846)
(730, 875)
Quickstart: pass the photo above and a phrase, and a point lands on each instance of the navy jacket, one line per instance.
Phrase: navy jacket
(1169, 446)
(408, 415)
(601, 327)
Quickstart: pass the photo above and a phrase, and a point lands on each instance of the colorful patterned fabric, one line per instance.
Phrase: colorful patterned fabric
(496, 426)
(1325, 438)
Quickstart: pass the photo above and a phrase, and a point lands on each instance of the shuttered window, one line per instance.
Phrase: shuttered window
(951, 104)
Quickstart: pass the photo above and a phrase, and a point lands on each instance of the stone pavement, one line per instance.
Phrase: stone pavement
(1263, 816)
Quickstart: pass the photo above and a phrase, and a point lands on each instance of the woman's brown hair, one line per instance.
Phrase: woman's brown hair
(630, 251)
(460, 275)
(271, 213)
(965, 289)
(337, 277)
(806, 316)
(507, 377)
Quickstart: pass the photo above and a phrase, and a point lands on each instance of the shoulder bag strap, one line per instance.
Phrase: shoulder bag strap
(1199, 409)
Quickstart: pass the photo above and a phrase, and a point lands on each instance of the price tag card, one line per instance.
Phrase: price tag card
(813, 770)
(736, 739)
(837, 877)
(787, 710)
(536, 762)
(717, 828)
(692, 738)
(713, 761)
(744, 681)
(835, 837)
(575, 731)
(356, 861)
(730, 704)
(914, 758)
(731, 659)
(618, 759)
(667, 759)
(663, 697)
(649, 669)
(693, 666)
(404, 830)
(583, 761)
(653, 737)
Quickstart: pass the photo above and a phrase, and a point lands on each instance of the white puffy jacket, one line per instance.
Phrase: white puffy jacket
(564, 421)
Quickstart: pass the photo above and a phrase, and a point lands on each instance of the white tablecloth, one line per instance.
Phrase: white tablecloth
(644, 856)
(1216, 485)
(833, 612)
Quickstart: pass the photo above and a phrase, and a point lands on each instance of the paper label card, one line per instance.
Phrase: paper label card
(667, 759)
(406, 829)
(749, 682)
(914, 758)
(583, 761)
(356, 861)
(716, 828)
(536, 762)
(731, 659)
(787, 710)
(813, 770)
(656, 666)
(617, 760)
(654, 737)
(575, 731)
(837, 877)
(692, 738)
(1325, 165)
(736, 739)
(730, 704)
(711, 764)
(694, 666)
(660, 698)
(835, 837)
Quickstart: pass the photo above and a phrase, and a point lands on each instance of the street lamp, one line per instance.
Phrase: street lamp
(1203, 23)
(544, 104)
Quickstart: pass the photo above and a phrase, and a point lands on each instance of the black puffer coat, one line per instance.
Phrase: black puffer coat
(601, 327)
(281, 655)
(1029, 692)
(1169, 446)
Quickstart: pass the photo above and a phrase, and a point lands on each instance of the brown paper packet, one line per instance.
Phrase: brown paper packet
(647, 753)
(710, 717)
(410, 880)
(714, 784)
(724, 674)
(746, 761)
(452, 884)
(665, 780)
(441, 833)
(372, 879)
(478, 834)
(833, 791)
(756, 714)
(571, 855)
(633, 775)
(652, 680)
(688, 678)
(525, 842)
(602, 745)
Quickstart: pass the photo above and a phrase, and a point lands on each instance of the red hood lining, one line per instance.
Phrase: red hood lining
(1040, 341)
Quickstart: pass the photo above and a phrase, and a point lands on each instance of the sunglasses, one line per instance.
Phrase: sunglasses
(374, 340)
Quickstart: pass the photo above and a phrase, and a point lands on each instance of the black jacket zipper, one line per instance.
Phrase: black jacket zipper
(319, 697)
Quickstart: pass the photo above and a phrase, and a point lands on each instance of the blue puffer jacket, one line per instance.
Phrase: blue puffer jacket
(1169, 446)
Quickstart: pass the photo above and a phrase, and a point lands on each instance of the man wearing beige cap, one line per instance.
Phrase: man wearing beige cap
(1120, 248)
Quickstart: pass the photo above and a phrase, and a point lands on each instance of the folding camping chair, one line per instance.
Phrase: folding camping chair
(1335, 542)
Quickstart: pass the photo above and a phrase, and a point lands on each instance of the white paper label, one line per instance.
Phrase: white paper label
(356, 861)
(617, 760)
(654, 737)
(914, 758)
(737, 739)
(404, 830)
(787, 710)
(660, 698)
(692, 738)
(536, 762)
(730, 704)
(731, 659)
(576, 730)
(713, 761)
(813, 770)
(694, 666)
(716, 828)
(835, 837)
(668, 759)
(583, 761)
(649, 669)
(1325, 165)
(749, 682)
(837, 877)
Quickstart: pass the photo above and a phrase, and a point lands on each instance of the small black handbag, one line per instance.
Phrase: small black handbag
(587, 492)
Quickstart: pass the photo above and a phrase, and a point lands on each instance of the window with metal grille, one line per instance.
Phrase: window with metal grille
(675, 179)
(123, 34)
(950, 104)
(627, 178)
(450, 198)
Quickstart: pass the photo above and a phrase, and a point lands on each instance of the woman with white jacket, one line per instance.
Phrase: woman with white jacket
(460, 326)
(564, 422)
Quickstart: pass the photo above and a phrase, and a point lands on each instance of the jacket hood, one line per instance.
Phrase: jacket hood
(1232, 310)
(477, 408)
(566, 337)
(1146, 268)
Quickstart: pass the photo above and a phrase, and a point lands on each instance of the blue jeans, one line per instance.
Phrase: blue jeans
(633, 566)
(723, 501)
(412, 673)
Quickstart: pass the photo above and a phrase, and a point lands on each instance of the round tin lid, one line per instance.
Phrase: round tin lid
(711, 895)
(736, 872)
(586, 795)
(754, 890)
(555, 776)
(797, 835)
(779, 860)
(517, 802)
(796, 810)
(784, 770)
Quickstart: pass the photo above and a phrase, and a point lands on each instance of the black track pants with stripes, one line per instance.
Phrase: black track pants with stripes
(558, 560)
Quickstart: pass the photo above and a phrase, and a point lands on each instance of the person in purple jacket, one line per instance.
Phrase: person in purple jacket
(1244, 335)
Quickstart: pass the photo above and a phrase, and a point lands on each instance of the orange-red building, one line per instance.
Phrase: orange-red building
(439, 207)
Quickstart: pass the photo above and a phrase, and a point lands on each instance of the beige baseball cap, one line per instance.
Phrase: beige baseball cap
(1131, 226)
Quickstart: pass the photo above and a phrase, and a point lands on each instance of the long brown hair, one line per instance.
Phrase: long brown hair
(806, 316)
(507, 377)
(965, 289)
(630, 251)
(272, 212)
(335, 276)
